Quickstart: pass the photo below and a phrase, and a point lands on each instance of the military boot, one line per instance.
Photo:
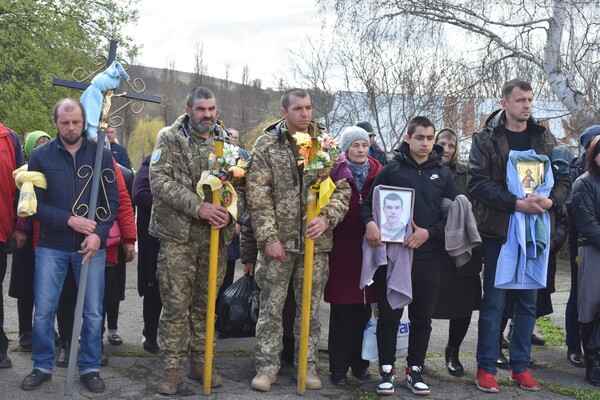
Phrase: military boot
(197, 372)
(263, 381)
(170, 381)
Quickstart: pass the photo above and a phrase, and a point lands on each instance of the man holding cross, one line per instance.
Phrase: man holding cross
(182, 221)
(276, 204)
(66, 237)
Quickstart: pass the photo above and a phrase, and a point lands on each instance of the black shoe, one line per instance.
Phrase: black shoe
(502, 362)
(414, 381)
(5, 361)
(536, 340)
(62, 360)
(339, 378)
(151, 346)
(592, 369)
(25, 342)
(455, 368)
(575, 357)
(362, 374)
(35, 379)
(385, 387)
(115, 339)
(93, 382)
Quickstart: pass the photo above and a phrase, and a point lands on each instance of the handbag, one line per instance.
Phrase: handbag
(114, 235)
(369, 345)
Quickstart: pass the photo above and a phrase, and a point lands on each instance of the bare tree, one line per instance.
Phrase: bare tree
(169, 94)
(561, 38)
(387, 84)
(312, 68)
(200, 68)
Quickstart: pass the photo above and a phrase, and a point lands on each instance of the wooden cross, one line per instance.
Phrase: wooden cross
(112, 55)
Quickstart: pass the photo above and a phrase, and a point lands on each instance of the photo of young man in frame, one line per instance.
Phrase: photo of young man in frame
(395, 208)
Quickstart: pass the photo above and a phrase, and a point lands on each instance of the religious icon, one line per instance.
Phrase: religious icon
(396, 208)
(531, 174)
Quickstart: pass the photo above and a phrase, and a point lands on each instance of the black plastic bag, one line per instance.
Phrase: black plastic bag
(237, 309)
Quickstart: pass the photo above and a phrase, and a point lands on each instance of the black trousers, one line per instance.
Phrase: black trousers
(228, 279)
(425, 283)
(346, 327)
(3, 338)
(151, 310)
(21, 283)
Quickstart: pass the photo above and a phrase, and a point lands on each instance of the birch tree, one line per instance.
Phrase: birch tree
(560, 38)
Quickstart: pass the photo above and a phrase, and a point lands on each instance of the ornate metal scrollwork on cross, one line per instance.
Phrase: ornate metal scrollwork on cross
(80, 208)
(166, 100)
(136, 106)
(136, 85)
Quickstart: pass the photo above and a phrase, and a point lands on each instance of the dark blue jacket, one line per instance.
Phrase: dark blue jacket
(68, 193)
(120, 154)
(378, 154)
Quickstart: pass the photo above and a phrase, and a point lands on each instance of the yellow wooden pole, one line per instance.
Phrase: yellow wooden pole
(309, 249)
(212, 284)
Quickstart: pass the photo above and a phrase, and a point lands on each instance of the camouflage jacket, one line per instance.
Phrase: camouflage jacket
(176, 164)
(276, 198)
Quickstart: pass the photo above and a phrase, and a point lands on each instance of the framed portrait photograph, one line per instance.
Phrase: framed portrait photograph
(531, 174)
(395, 210)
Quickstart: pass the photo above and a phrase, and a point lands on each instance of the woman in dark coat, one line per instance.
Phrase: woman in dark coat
(350, 306)
(586, 212)
(460, 289)
(148, 247)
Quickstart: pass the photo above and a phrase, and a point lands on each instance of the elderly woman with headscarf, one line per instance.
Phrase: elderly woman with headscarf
(460, 288)
(350, 305)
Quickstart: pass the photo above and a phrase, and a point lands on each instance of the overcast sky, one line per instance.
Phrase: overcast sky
(235, 32)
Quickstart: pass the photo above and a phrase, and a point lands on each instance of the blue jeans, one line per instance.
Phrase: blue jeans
(490, 316)
(50, 270)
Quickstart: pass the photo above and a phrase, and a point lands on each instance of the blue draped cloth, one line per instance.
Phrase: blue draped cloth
(92, 97)
(523, 259)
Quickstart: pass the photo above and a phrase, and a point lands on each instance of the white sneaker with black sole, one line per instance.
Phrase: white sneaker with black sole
(385, 387)
(414, 381)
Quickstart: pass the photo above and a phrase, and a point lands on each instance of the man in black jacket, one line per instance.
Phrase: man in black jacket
(417, 164)
(512, 128)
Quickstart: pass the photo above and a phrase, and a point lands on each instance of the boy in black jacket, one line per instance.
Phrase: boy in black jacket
(417, 164)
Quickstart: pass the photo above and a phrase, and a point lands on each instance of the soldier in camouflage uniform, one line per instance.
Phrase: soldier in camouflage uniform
(182, 221)
(276, 200)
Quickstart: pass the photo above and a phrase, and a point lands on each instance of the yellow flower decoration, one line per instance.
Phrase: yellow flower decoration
(302, 139)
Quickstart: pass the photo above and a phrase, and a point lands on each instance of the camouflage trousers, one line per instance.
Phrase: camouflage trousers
(273, 277)
(182, 274)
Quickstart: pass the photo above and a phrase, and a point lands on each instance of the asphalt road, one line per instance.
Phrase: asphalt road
(134, 374)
